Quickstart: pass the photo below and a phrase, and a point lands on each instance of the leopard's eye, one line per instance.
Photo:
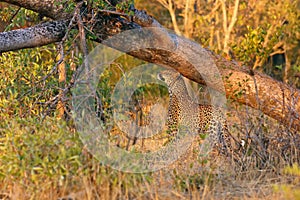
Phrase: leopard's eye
(160, 77)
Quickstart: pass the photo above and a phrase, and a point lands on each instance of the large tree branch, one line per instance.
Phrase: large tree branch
(259, 91)
(49, 8)
(55, 9)
(39, 35)
(273, 98)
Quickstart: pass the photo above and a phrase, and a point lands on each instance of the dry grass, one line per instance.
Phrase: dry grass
(269, 148)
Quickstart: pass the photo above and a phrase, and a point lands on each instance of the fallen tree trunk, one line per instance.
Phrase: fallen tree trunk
(276, 99)
(257, 90)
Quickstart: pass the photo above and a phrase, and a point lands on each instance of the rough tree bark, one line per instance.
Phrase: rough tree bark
(39, 35)
(252, 88)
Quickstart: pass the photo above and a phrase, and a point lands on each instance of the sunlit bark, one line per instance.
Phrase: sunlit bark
(257, 90)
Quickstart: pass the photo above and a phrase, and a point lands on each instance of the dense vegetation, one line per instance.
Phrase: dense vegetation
(42, 156)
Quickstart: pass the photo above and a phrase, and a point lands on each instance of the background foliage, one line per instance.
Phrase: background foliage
(41, 154)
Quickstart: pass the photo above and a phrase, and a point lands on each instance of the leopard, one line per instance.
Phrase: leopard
(201, 119)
